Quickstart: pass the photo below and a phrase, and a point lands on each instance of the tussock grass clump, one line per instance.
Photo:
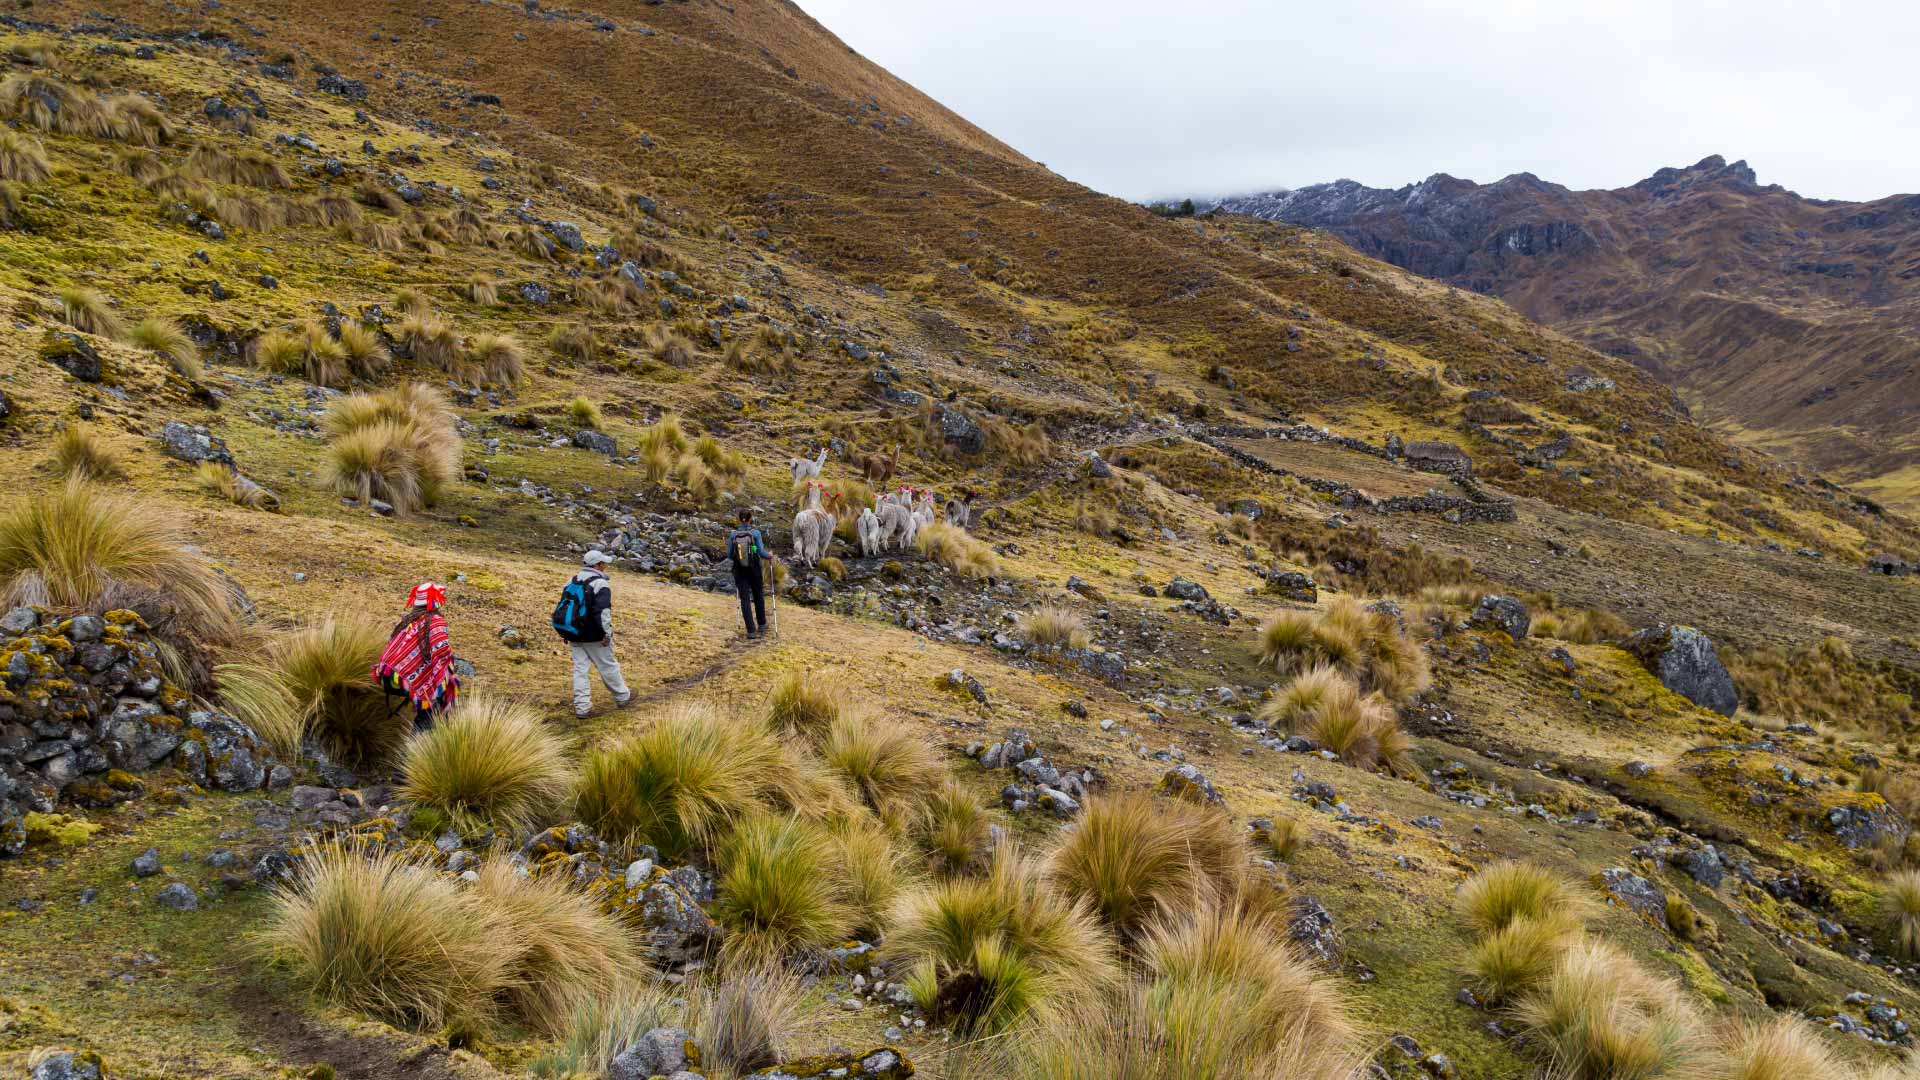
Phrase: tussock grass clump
(498, 357)
(1285, 838)
(1601, 1017)
(747, 1018)
(377, 235)
(1899, 898)
(1368, 646)
(489, 764)
(133, 119)
(372, 193)
(257, 694)
(325, 668)
(987, 951)
(390, 938)
(80, 454)
(166, 338)
(1587, 626)
(1362, 730)
(957, 550)
(225, 482)
(806, 703)
(335, 212)
(874, 871)
(1132, 856)
(574, 341)
(700, 482)
(22, 158)
(582, 412)
(483, 292)
(413, 302)
(666, 433)
(280, 352)
(78, 547)
(564, 949)
(749, 357)
(1784, 1048)
(1023, 446)
(952, 828)
(89, 311)
(1510, 890)
(1519, 955)
(399, 446)
(599, 1029)
(254, 168)
(365, 353)
(887, 764)
(1054, 625)
(1294, 706)
(778, 890)
(683, 782)
(668, 346)
(432, 341)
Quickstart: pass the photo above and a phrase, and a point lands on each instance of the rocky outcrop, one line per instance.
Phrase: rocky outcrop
(84, 706)
(1502, 613)
(885, 1063)
(1685, 662)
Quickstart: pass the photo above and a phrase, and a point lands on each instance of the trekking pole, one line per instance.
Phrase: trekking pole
(773, 596)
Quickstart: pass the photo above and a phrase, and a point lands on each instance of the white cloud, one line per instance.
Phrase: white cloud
(1145, 100)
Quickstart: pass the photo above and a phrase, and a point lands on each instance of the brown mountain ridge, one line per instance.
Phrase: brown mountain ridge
(1790, 322)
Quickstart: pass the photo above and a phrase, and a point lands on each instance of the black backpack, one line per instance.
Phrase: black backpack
(743, 549)
(573, 617)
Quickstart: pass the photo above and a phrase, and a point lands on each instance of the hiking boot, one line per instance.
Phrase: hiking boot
(625, 702)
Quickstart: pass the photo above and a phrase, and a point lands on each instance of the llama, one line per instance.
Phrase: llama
(896, 521)
(812, 529)
(923, 513)
(867, 530)
(804, 469)
(879, 467)
(960, 510)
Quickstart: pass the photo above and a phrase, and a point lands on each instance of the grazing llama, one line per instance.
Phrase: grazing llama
(812, 529)
(804, 469)
(923, 513)
(895, 515)
(879, 467)
(960, 510)
(866, 529)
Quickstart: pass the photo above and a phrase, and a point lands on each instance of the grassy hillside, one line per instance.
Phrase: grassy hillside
(713, 236)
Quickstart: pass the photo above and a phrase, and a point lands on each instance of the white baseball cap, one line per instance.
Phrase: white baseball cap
(596, 557)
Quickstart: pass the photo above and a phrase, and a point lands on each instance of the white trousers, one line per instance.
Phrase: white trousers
(588, 658)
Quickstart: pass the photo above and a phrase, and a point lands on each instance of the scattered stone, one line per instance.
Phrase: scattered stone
(1502, 613)
(1184, 781)
(193, 444)
(1626, 887)
(1311, 927)
(660, 1051)
(177, 896)
(147, 863)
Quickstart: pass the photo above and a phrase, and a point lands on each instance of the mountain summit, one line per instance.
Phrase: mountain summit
(1788, 321)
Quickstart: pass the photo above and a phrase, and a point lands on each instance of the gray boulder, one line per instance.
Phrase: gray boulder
(660, 1051)
(85, 1065)
(598, 441)
(567, 234)
(177, 896)
(960, 430)
(1623, 886)
(1502, 613)
(1183, 781)
(1684, 661)
(1311, 927)
(193, 444)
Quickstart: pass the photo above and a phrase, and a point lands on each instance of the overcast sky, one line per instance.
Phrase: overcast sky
(1224, 96)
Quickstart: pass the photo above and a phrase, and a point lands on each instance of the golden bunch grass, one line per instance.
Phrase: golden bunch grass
(685, 780)
(257, 695)
(1297, 701)
(1131, 857)
(582, 412)
(778, 890)
(1516, 957)
(886, 763)
(79, 547)
(1899, 900)
(574, 341)
(665, 434)
(1362, 730)
(988, 951)
(1600, 1016)
(254, 168)
(1285, 838)
(166, 338)
(366, 355)
(874, 871)
(490, 763)
(378, 235)
(399, 446)
(1367, 646)
(668, 346)
(81, 454)
(433, 341)
(484, 292)
(1783, 1048)
(22, 158)
(227, 483)
(565, 950)
(498, 357)
(335, 211)
(1510, 890)
(957, 550)
(1054, 625)
(88, 310)
(326, 667)
(952, 828)
(807, 703)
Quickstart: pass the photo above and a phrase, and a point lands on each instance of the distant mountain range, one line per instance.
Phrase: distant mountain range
(1791, 323)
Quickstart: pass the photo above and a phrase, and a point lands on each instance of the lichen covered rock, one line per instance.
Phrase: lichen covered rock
(1685, 662)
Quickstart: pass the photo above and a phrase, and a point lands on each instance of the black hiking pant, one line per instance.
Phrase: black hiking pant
(753, 599)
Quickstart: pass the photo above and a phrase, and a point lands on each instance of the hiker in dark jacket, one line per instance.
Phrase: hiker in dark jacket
(584, 621)
(747, 550)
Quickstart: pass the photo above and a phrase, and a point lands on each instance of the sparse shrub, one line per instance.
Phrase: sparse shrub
(498, 357)
(887, 764)
(79, 454)
(987, 951)
(484, 292)
(324, 666)
(564, 949)
(489, 763)
(805, 703)
(1511, 890)
(1900, 910)
(777, 891)
(957, 550)
(88, 311)
(952, 827)
(682, 782)
(582, 412)
(399, 446)
(166, 338)
(22, 158)
(227, 483)
(78, 547)
(1052, 625)
(1132, 856)
(376, 933)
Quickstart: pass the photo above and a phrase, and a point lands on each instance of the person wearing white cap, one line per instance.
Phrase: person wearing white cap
(584, 620)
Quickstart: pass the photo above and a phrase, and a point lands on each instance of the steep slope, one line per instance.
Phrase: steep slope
(1792, 323)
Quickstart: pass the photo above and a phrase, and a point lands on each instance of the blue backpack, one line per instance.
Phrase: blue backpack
(573, 616)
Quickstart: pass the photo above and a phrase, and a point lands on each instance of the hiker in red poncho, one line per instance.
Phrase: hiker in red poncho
(418, 660)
